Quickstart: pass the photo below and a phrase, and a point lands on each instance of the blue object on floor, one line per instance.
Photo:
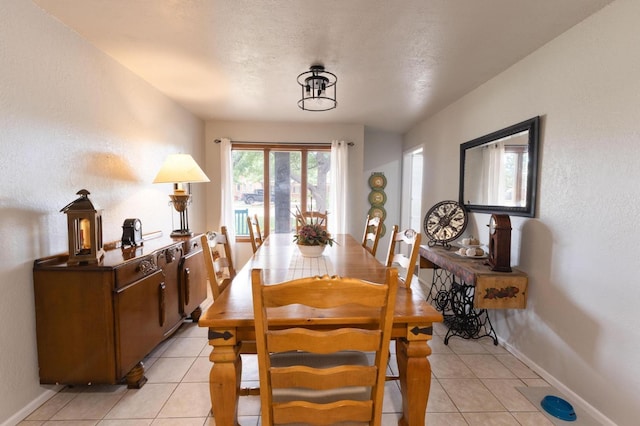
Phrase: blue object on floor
(558, 407)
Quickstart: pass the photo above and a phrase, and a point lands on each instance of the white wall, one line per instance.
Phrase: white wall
(70, 118)
(384, 154)
(581, 326)
(283, 132)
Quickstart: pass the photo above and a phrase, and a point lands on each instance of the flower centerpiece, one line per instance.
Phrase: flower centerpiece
(312, 238)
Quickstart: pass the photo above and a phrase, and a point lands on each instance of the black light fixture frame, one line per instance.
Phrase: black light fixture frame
(318, 89)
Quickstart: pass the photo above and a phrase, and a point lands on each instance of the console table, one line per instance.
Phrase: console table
(464, 288)
(95, 323)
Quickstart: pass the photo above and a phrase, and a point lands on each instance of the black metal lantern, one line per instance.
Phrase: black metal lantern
(84, 224)
(318, 89)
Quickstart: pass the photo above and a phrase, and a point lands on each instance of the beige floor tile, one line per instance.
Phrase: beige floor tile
(250, 368)
(466, 346)
(491, 348)
(536, 383)
(52, 406)
(144, 403)
(93, 403)
(439, 401)
(191, 329)
(532, 419)
(438, 347)
(169, 370)
(390, 419)
(447, 366)
(243, 420)
(490, 419)
(470, 395)
(126, 422)
(517, 367)
(185, 421)
(188, 400)
(249, 406)
(486, 367)
(31, 423)
(506, 392)
(445, 419)
(440, 329)
(199, 371)
(205, 352)
(161, 348)
(185, 347)
(392, 401)
(71, 423)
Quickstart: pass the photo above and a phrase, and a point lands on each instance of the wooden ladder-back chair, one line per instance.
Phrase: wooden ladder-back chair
(403, 251)
(372, 230)
(254, 232)
(323, 377)
(220, 270)
(304, 218)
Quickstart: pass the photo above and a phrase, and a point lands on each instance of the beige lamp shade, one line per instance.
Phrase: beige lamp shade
(180, 168)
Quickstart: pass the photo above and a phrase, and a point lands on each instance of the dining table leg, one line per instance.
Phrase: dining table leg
(415, 380)
(224, 382)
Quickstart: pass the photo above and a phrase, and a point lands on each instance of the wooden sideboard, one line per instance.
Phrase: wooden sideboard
(464, 288)
(95, 323)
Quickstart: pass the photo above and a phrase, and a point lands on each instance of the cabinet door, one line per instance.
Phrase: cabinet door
(169, 261)
(193, 282)
(141, 313)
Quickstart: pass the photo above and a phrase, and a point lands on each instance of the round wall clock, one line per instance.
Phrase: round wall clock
(444, 222)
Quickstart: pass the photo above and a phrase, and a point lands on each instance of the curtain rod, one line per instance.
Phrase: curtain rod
(281, 143)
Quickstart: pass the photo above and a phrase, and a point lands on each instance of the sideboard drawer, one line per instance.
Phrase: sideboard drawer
(133, 271)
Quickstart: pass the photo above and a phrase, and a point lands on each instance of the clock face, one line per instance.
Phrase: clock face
(492, 225)
(445, 222)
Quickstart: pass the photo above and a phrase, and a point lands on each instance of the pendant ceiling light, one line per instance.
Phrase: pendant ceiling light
(318, 89)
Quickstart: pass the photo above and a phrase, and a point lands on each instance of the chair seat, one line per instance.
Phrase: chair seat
(288, 359)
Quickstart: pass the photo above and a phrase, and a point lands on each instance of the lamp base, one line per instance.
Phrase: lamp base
(181, 233)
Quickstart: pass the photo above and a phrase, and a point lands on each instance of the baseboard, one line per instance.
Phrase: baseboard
(32, 406)
(573, 397)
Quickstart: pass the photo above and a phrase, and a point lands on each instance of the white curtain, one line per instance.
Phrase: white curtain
(339, 181)
(494, 173)
(226, 200)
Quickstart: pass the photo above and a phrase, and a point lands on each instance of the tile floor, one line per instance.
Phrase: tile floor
(474, 383)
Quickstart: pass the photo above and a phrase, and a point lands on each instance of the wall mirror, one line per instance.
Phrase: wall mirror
(498, 172)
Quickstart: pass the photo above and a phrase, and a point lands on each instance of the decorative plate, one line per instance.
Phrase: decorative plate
(445, 222)
(378, 211)
(377, 180)
(377, 198)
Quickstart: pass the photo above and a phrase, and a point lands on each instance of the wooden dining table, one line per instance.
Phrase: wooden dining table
(230, 321)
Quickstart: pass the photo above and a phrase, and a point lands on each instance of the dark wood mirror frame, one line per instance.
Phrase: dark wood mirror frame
(528, 206)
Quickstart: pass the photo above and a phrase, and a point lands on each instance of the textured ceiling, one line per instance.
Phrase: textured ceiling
(396, 61)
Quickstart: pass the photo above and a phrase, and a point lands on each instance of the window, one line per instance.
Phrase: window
(516, 158)
(412, 190)
(298, 177)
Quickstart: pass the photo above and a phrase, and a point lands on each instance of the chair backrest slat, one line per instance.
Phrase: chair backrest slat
(404, 248)
(254, 232)
(372, 233)
(304, 218)
(220, 270)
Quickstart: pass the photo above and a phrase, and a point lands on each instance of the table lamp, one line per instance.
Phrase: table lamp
(181, 169)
